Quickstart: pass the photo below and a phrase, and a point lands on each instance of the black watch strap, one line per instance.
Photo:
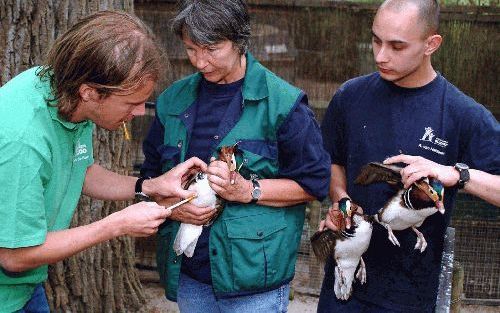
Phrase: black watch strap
(138, 189)
(463, 170)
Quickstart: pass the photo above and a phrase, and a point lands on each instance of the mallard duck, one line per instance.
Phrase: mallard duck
(346, 247)
(408, 207)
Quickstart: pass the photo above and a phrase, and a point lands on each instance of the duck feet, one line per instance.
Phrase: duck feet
(421, 242)
(391, 235)
(361, 274)
(339, 282)
(343, 284)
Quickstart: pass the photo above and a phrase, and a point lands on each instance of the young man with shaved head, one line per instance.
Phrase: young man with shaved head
(411, 112)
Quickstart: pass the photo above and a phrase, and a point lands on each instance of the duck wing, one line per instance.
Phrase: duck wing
(375, 172)
(323, 242)
(191, 180)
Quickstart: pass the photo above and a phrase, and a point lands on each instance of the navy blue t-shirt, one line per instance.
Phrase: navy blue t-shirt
(301, 156)
(370, 119)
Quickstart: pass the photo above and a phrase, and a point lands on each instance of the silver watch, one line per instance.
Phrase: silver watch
(256, 191)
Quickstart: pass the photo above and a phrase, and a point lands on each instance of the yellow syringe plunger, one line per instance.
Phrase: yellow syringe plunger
(125, 130)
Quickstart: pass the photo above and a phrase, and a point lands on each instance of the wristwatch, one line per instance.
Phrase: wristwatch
(463, 170)
(256, 192)
(139, 195)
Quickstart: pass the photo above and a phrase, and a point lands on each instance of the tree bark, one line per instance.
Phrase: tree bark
(103, 278)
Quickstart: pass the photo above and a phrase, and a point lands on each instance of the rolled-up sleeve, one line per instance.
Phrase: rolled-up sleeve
(151, 146)
(301, 156)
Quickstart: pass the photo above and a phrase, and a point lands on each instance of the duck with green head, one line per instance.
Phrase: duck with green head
(408, 207)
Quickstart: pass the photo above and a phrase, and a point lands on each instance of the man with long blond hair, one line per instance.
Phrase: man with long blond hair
(100, 72)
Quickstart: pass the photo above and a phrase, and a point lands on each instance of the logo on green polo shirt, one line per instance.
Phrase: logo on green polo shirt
(81, 152)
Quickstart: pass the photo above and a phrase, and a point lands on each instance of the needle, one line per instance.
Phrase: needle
(178, 204)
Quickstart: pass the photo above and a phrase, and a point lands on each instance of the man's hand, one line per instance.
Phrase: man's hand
(138, 220)
(419, 167)
(219, 179)
(335, 220)
(171, 183)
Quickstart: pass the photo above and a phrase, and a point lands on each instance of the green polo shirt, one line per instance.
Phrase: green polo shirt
(43, 161)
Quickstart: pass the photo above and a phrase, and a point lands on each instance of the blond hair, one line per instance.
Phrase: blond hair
(108, 50)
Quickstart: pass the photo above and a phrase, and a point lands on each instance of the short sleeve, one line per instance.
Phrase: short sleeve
(333, 130)
(23, 221)
(481, 147)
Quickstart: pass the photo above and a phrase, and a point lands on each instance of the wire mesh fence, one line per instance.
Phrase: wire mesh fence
(477, 248)
(479, 253)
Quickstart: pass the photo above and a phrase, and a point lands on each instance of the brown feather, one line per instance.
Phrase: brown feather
(226, 154)
(377, 172)
(323, 243)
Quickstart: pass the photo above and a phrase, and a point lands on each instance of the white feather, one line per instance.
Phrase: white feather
(401, 218)
(397, 217)
(348, 254)
(188, 234)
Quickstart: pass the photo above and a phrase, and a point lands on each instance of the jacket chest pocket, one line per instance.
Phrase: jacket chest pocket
(256, 243)
(169, 156)
(258, 156)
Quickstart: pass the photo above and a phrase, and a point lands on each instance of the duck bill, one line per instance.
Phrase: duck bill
(440, 206)
(432, 194)
(232, 169)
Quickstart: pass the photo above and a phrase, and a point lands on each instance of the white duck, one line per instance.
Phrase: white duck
(188, 234)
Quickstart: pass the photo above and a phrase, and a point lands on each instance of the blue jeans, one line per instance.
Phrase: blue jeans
(196, 297)
(38, 302)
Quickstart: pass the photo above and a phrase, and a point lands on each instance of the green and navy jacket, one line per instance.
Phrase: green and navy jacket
(253, 247)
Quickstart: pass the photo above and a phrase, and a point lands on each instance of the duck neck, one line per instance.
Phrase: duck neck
(413, 201)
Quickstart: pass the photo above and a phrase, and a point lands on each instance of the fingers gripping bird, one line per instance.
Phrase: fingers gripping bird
(188, 234)
(347, 248)
(408, 207)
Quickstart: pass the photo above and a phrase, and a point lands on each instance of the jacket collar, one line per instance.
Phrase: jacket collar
(254, 86)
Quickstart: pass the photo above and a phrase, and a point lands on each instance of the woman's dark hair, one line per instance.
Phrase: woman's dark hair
(110, 51)
(207, 22)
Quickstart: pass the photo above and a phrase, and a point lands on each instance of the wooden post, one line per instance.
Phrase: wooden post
(314, 265)
(457, 287)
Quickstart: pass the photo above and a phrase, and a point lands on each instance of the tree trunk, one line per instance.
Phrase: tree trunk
(103, 278)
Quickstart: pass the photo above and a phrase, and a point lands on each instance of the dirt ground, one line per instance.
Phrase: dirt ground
(157, 303)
